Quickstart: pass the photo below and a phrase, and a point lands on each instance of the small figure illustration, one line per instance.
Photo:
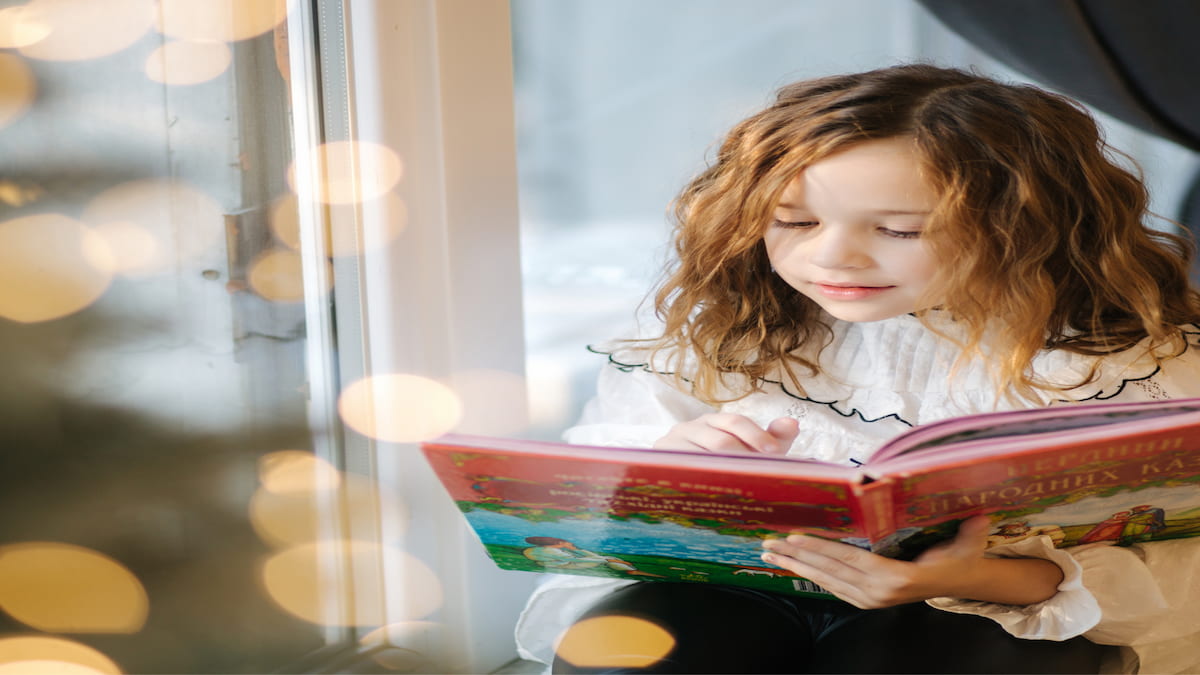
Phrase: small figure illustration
(562, 554)
(1008, 533)
(1144, 522)
(1110, 529)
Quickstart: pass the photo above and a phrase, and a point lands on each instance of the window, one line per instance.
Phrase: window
(159, 336)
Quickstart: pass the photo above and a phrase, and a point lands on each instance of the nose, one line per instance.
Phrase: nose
(835, 247)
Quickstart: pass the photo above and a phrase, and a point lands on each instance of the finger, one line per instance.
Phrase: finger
(711, 439)
(784, 430)
(750, 434)
(972, 536)
(839, 560)
(969, 542)
(838, 587)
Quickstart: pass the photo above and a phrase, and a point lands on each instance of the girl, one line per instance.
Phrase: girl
(871, 252)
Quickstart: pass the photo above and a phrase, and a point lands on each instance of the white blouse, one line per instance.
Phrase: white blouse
(878, 379)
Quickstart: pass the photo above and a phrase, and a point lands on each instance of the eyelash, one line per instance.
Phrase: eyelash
(898, 234)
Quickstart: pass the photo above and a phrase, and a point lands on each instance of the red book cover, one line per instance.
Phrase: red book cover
(1118, 473)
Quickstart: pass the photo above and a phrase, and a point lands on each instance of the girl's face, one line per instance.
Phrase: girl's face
(847, 232)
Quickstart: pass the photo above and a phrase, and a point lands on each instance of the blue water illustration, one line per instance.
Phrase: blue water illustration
(614, 537)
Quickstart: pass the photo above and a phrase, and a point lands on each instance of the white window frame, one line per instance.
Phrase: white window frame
(432, 80)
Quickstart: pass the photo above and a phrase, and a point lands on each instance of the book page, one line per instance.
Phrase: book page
(949, 436)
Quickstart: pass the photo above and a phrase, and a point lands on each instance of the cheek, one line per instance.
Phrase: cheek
(775, 247)
(918, 268)
(781, 246)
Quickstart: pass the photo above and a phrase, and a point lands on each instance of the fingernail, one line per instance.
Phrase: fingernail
(768, 557)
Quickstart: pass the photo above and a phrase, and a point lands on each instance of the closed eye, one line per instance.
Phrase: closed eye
(901, 234)
(794, 224)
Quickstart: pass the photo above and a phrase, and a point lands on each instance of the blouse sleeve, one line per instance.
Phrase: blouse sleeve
(633, 407)
(1140, 595)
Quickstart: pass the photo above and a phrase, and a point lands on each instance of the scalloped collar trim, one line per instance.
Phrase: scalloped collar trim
(879, 344)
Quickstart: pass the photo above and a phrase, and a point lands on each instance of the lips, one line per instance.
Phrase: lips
(849, 291)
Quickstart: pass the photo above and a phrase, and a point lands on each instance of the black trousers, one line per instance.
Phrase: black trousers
(719, 629)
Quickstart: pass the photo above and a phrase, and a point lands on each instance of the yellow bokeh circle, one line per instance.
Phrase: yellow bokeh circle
(50, 266)
(25, 654)
(79, 30)
(219, 20)
(311, 581)
(183, 63)
(18, 88)
(63, 588)
(400, 408)
(615, 642)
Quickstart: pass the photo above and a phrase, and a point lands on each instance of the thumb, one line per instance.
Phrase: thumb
(784, 430)
(971, 538)
(970, 542)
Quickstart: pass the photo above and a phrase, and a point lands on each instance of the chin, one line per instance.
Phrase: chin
(864, 315)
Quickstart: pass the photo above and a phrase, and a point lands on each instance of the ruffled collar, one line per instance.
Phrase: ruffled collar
(894, 368)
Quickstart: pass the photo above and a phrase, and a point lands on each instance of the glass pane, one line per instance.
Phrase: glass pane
(158, 457)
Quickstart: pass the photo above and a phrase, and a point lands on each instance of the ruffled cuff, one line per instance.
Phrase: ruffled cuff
(1132, 601)
(1070, 612)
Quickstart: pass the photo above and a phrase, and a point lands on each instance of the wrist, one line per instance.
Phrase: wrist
(1010, 581)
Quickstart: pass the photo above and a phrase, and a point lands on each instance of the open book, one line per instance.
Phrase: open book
(1113, 474)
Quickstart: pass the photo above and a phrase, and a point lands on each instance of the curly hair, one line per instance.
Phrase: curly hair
(1043, 223)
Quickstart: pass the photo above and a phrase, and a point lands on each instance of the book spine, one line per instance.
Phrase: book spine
(877, 512)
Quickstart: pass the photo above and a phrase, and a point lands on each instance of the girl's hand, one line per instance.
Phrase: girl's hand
(955, 568)
(731, 434)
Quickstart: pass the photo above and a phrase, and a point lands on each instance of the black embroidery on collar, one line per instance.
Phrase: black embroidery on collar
(1099, 396)
(630, 367)
(831, 405)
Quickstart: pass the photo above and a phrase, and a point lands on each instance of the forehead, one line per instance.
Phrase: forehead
(880, 174)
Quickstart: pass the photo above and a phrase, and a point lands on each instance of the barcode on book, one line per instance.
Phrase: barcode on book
(806, 586)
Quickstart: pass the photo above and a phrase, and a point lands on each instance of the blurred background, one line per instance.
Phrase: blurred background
(253, 251)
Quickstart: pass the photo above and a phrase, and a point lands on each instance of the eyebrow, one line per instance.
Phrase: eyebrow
(882, 212)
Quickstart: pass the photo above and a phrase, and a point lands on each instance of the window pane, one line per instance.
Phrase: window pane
(158, 457)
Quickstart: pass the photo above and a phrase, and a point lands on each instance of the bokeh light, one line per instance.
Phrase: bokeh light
(399, 408)
(343, 236)
(307, 581)
(19, 194)
(40, 654)
(615, 642)
(353, 172)
(278, 276)
(18, 88)
(296, 471)
(219, 20)
(183, 63)
(135, 251)
(183, 222)
(62, 588)
(20, 27)
(284, 518)
(86, 29)
(50, 266)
